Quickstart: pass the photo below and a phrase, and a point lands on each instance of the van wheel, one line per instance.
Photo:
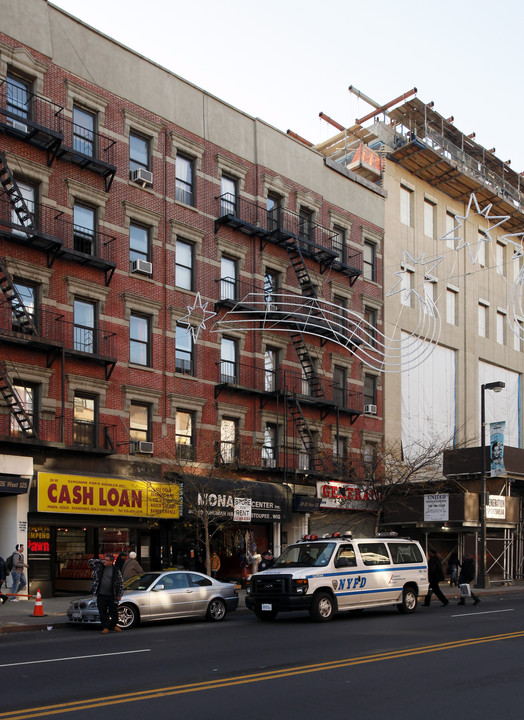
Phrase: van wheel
(409, 600)
(323, 607)
(266, 615)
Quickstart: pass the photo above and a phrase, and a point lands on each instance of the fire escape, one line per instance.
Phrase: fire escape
(285, 229)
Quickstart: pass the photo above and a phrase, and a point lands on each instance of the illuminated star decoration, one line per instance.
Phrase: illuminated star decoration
(493, 221)
(197, 316)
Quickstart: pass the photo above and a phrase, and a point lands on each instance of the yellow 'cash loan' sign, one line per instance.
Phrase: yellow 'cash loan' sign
(107, 496)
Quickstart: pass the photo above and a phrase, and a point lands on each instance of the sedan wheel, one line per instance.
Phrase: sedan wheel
(128, 616)
(216, 610)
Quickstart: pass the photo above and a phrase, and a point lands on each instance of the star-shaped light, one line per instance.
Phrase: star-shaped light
(197, 316)
(494, 221)
(428, 266)
(515, 240)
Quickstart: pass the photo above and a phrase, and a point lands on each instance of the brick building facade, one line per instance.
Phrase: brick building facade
(185, 292)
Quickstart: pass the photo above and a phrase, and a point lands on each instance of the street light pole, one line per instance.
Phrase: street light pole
(496, 387)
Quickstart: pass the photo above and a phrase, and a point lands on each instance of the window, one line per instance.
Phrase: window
(406, 210)
(405, 553)
(339, 386)
(308, 387)
(138, 242)
(406, 283)
(370, 390)
(339, 242)
(184, 265)
(370, 459)
(271, 285)
(184, 180)
(84, 132)
(451, 306)
(500, 258)
(184, 439)
(273, 208)
(518, 333)
(228, 199)
(369, 261)
(450, 227)
(481, 248)
(516, 265)
(270, 369)
(27, 397)
(183, 350)
(18, 214)
(370, 329)
(340, 453)
(139, 340)
(228, 361)
(430, 285)
(138, 153)
(429, 218)
(269, 449)
(84, 326)
(483, 320)
(305, 225)
(228, 278)
(140, 422)
(84, 219)
(374, 553)
(341, 313)
(228, 440)
(306, 456)
(27, 294)
(84, 420)
(17, 96)
(501, 328)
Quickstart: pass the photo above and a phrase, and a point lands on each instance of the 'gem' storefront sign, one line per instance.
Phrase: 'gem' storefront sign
(87, 495)
(345, 496)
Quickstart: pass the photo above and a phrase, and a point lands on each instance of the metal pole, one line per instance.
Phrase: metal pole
(481, 578)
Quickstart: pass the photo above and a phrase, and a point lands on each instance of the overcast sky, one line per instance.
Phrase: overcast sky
(284, 61)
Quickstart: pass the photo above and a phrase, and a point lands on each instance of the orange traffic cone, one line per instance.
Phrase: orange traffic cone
(39, 608)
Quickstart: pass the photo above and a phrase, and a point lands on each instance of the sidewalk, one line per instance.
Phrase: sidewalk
(18, 616)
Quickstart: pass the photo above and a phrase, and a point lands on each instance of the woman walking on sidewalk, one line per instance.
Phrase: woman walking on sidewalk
(467, 575)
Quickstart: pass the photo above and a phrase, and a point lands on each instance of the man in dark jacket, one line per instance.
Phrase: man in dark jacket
(435, 575)
(467, 575)
(108, 587)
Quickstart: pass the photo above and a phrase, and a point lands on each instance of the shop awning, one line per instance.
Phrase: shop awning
(267, 502)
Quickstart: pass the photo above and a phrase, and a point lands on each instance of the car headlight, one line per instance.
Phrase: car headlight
(92, 603)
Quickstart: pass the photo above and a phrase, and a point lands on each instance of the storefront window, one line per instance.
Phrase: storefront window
(71, 554)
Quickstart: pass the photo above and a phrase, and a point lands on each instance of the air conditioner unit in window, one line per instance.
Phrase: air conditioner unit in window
(17, 125)
(143, 176)
(141, 266)
(370, 409)
(146, 448)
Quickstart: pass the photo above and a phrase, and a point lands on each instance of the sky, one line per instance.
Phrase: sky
(285, 61)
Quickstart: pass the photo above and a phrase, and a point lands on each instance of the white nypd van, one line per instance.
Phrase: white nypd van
(324, 575)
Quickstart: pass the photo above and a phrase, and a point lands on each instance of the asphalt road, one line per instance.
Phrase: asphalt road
(452, 662)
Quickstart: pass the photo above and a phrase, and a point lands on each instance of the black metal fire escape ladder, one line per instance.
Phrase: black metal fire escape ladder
(310, 375)
(306, 435)
(22, 319)
(12, 400)
(25, 216)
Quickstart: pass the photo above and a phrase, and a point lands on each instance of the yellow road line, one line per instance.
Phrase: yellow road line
(245, 679)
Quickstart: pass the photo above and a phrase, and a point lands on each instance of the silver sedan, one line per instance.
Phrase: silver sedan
(163, 596)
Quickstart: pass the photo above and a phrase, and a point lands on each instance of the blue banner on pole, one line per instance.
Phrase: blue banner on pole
(496, 434)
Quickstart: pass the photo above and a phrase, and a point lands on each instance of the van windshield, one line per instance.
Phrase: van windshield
(305, 555)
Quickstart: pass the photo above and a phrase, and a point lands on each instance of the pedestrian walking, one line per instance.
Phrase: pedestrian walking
(435, 575)
(17, 573)
(121, 560)
(108, 587)
(467, 575)
(131, 567)
(453, 568)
